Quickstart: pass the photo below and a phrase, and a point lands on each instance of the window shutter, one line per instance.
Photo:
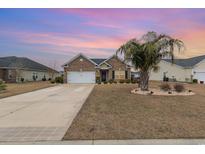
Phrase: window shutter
(113, 75)
(126, 75)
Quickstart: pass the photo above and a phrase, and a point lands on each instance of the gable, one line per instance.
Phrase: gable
(80, 64)
(116, 63)
(200, 66)
(104, 65)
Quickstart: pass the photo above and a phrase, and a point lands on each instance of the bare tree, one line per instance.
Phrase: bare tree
(52, 69)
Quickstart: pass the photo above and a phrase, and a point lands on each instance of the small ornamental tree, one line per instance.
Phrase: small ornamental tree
(146, 53)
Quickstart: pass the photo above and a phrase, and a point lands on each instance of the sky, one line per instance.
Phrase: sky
(53, 36)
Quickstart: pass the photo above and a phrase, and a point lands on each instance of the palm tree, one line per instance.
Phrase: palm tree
(146, 53)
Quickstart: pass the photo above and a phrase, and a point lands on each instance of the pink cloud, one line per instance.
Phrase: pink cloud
(97, 24)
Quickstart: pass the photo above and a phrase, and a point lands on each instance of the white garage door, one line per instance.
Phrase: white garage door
(81, 77)
(200, 76)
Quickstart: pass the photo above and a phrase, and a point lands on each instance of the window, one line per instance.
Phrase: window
(81, 59)
(119, 74)
(35, 76)
(126, 75)
(113, 75)
(9, 74)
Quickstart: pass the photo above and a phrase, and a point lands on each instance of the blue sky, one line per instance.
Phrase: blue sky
(56, 35)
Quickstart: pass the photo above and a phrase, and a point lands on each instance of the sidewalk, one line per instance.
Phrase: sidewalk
(117, 142)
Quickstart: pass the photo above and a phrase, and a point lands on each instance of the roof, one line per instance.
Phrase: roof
(190, 62)
(95, 61)
(22, 63)
(98, 60)
(78, 55)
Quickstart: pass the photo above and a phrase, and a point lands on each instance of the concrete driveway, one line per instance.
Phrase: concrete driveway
(42, 115)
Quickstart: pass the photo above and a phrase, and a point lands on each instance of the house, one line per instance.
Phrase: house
(184, 70)
(82, 69)
(15, 69)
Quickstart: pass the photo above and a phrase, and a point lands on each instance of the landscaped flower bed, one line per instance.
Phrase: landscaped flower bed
(165, 90)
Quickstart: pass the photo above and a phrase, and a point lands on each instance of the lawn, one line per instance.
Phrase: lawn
(112, 112)
(19, 88)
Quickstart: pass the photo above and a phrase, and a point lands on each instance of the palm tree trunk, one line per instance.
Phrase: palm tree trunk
(144, 80)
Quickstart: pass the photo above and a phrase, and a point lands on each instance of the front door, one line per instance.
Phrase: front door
(104, 75)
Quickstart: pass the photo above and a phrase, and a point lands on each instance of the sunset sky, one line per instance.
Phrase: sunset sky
(56, 35)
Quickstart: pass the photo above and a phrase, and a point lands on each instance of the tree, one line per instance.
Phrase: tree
(146, 53)
(52, 70)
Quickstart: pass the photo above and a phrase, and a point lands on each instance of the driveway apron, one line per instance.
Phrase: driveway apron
(43, 115)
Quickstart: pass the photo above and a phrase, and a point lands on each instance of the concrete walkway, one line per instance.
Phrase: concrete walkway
(42, 115)
(118, 142)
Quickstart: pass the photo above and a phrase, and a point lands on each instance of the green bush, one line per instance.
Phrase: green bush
(105, 82)
(52, 81)
(195, 81)
(111, 81)
(133, 81)
(59, 79)
(115, 81)
(122, 81)
(128, 81)
(165, 87)
(2, 86)
(179, 87)
(97, 79)
(44, 78)
(22, 79)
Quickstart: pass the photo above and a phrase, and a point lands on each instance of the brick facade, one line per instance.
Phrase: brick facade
(83, 64)
(117, 65)
(4, 75)
(79, 64)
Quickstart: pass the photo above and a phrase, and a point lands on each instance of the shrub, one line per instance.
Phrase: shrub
(97, 79)
(201, 82)
(128, 81)
(34, 78)
(165, 87)
(115, 81)
(195, 81)
(122, 81)
(44, 78)
(2, 86)
(105, 82)
(133, 81)
(59, 79)
(111, 81)
(22, 79)
(52, 81)
(179, 87)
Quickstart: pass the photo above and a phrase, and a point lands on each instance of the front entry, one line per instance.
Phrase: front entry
(104, 75)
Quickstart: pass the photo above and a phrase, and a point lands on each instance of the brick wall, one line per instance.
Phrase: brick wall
(117, 65)
(79, 64)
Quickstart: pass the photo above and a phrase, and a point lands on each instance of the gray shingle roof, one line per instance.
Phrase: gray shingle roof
(22, 63)
(98, 60)
(190, 62)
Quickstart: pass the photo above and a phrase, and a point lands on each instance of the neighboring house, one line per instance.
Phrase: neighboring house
(181, 69)
(13, 69)
(82, 69)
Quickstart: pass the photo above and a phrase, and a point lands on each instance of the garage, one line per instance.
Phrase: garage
(200, 76)
(81, 77)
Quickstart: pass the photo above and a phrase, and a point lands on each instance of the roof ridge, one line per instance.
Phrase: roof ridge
(23, 63)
